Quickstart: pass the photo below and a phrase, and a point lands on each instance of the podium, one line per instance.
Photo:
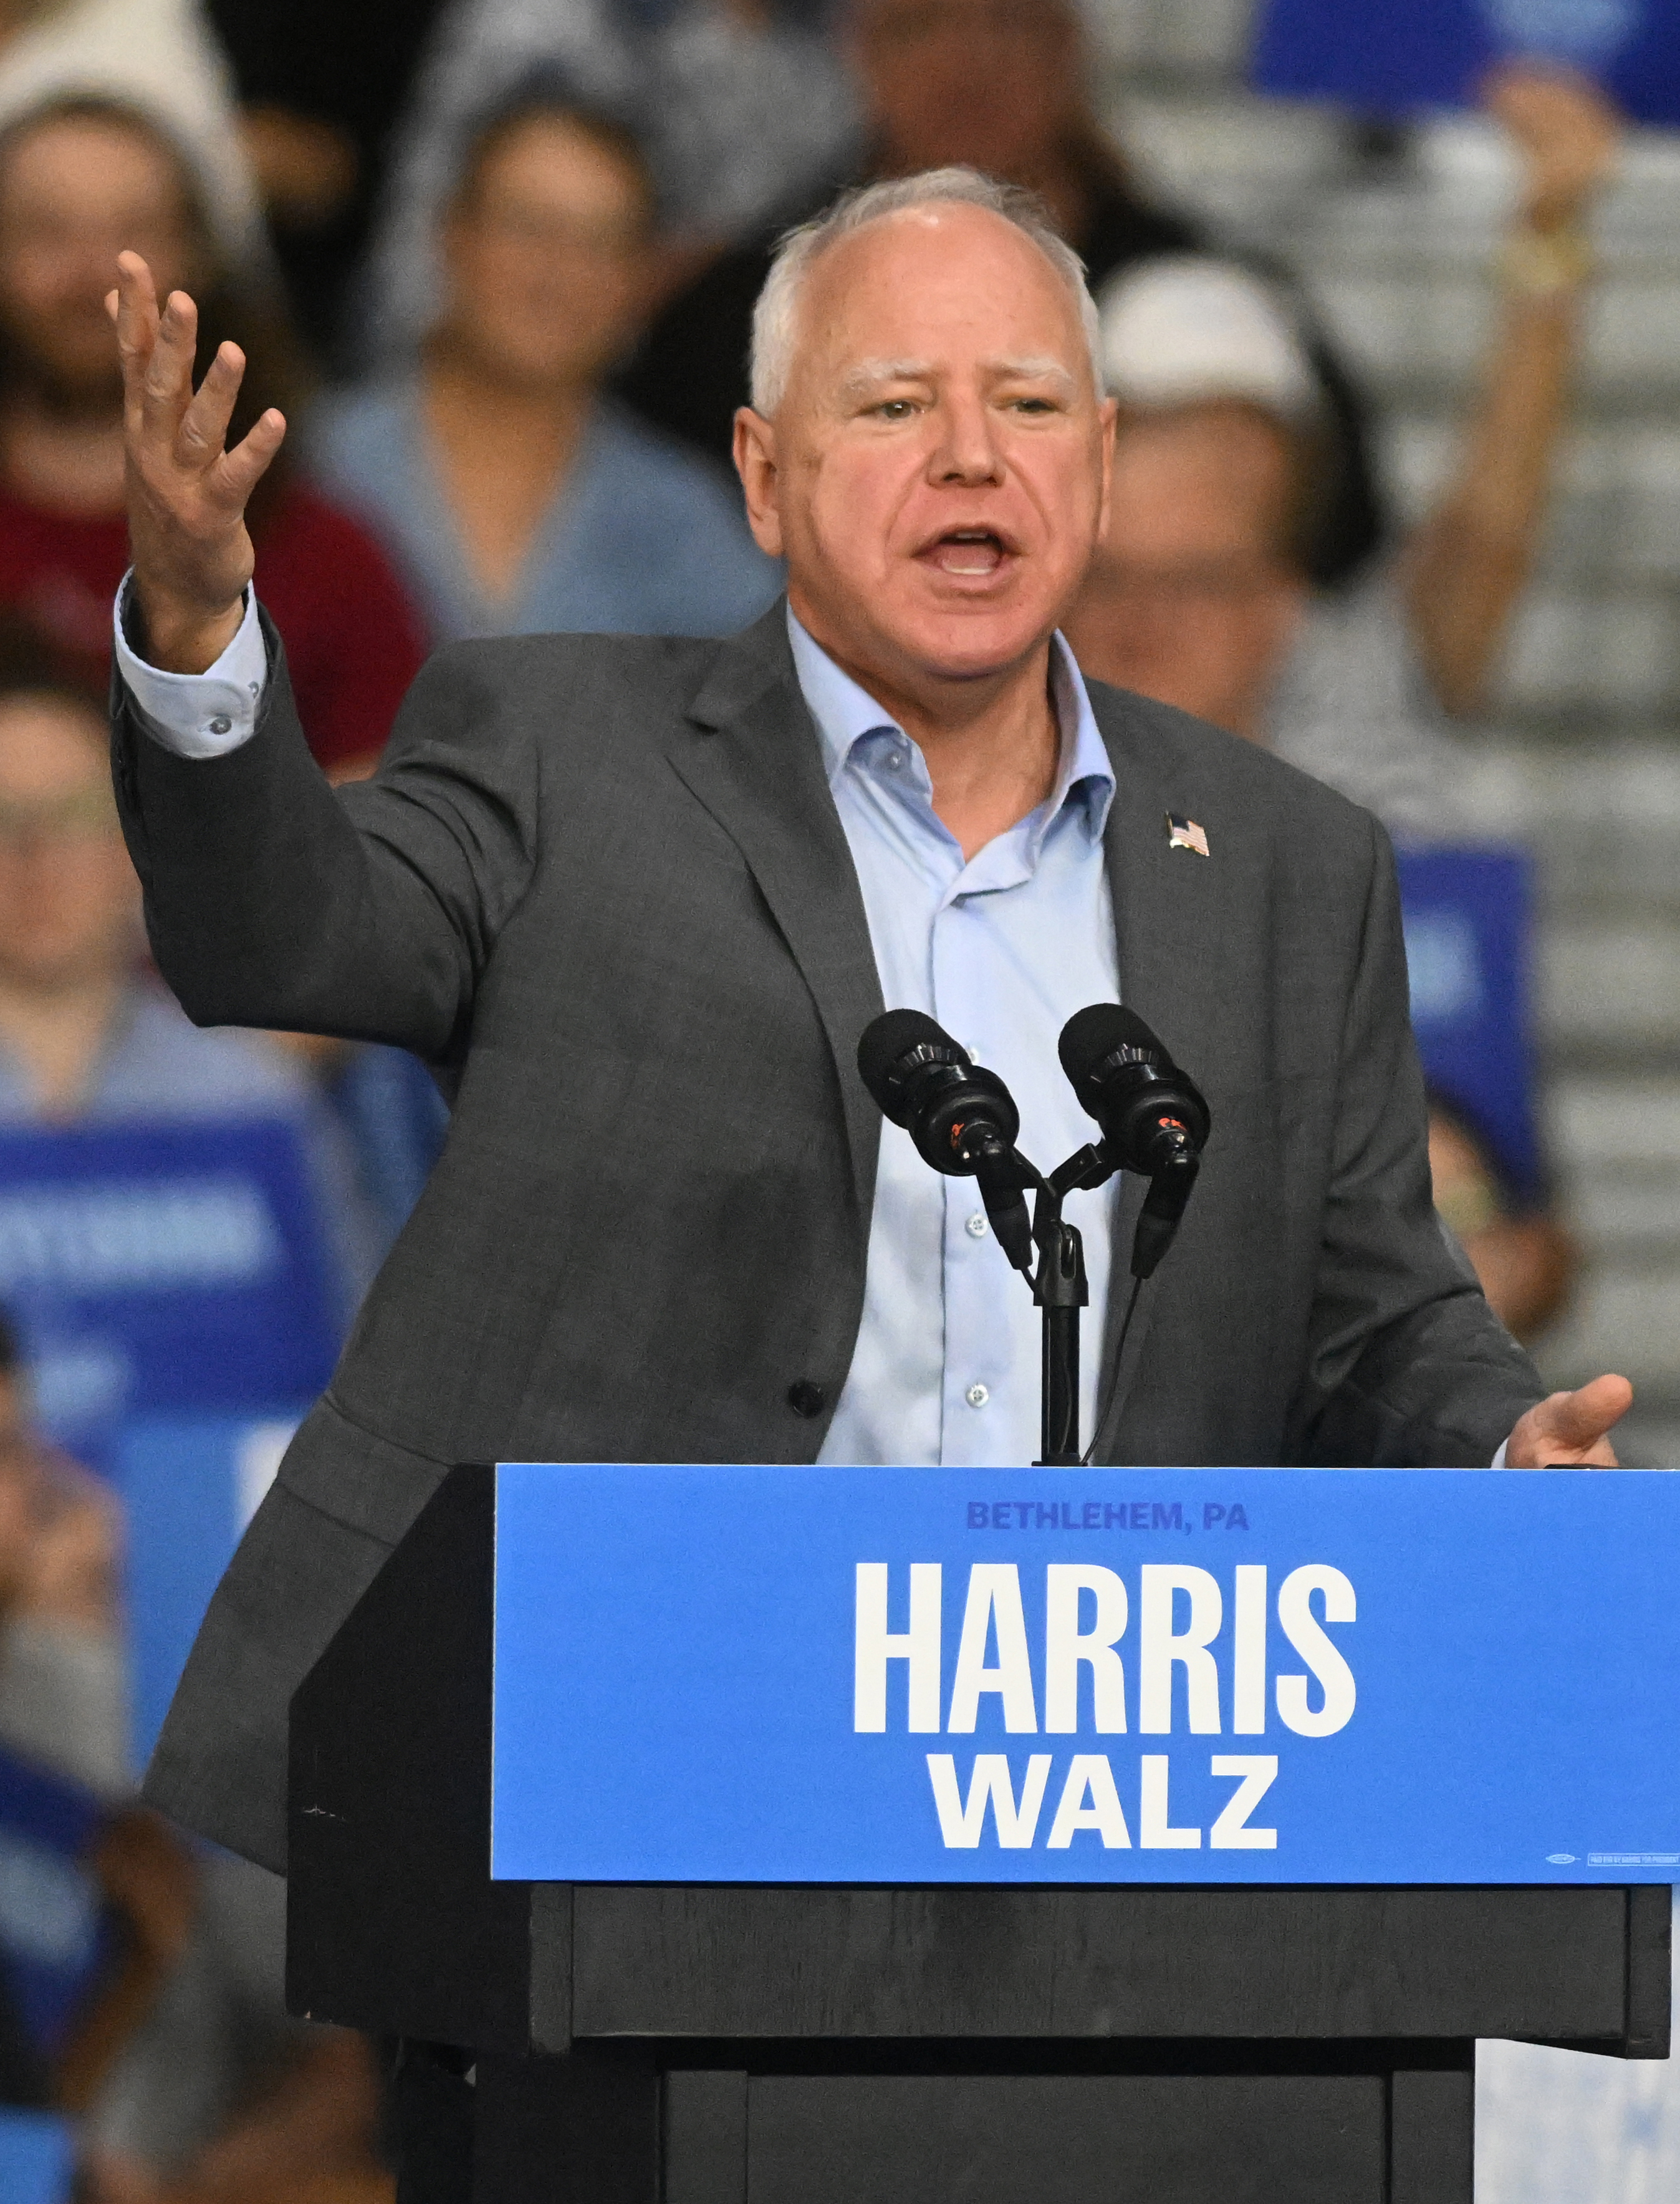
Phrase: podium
(654, 2042)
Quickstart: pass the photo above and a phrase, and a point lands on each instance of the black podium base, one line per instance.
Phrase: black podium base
(711, 2045)
(621, 2126)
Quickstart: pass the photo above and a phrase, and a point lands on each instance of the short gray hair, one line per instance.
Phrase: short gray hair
(775, 317)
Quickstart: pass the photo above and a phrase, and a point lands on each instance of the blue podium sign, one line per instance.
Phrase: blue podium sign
(1411, 54)
(1043, 1676)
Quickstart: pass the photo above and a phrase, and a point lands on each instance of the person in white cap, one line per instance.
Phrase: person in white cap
(1200, 595)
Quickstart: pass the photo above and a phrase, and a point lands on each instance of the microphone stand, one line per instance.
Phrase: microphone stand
(1060, 1289)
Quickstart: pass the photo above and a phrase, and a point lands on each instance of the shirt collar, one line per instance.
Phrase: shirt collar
(845, 713)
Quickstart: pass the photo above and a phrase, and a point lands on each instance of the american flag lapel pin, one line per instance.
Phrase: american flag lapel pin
(1184, 833)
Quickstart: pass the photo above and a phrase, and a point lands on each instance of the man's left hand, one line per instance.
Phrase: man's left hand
(1571, 1428)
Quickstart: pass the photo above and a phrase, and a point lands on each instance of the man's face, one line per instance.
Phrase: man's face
(992, 83)
(547, 260)
(75, 192)
(1190, 599)
(69, 898)
(935, 476)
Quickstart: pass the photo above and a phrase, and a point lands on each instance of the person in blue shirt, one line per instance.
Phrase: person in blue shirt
(516, 496)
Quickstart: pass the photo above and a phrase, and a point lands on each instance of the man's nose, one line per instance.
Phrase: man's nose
(966, 449)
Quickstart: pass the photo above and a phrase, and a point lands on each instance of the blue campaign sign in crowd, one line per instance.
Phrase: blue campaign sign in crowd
(1469, 920)
(174, 1266)
(1412, 54)
(36, 2157)
(189, 1485)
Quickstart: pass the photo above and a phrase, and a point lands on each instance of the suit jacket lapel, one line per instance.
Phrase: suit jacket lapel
(752, 757)
(1172, 908)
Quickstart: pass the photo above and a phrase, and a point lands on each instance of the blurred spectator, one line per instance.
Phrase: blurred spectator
(395, 1119)
(64, 1709)
(747, 105)
(84, 1037)
(80, 179)
(1000, 86)
(156, 55)
(743, 107)
(220, 2097)
(63, 1702)
(321, 87)
(392, 1113)
(189, 2068)
(1201, 594)
(518, 498)
(1522, 1256)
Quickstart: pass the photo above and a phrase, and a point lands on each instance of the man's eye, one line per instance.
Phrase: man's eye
(896, 409)
(1034, 406)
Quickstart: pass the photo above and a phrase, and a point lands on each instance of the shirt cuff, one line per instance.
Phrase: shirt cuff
(1499, 1462)
(198, 715)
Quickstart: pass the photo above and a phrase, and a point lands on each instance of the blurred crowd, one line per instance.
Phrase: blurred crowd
(495, 260)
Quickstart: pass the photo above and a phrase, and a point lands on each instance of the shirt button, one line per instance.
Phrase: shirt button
(894, 761)
(978, 1395)
(977, 1226)
(221, 725)
(807, 1398)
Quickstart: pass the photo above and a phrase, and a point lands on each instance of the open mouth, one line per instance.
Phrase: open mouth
(969, 553)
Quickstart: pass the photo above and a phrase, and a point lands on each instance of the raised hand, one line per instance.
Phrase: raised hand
(1567, 131)
(187, 493)
(1571, 1428)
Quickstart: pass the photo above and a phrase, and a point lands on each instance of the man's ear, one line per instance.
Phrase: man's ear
(1107, 414)
(756, 465)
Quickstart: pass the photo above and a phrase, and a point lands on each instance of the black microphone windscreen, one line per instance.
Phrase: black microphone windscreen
(886, 1041)
(1091, 1036)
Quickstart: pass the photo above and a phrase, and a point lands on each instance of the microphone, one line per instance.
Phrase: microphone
(962, 1117)
(1154, 1121)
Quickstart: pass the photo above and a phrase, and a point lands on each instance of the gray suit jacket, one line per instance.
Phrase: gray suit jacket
(601, 884)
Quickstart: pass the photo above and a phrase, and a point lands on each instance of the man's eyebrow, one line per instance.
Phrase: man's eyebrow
(869, 374)
(1044, 369)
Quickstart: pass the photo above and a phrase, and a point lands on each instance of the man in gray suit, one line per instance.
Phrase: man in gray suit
(636, 899)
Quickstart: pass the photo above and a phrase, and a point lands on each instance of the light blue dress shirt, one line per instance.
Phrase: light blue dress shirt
(1001, 949)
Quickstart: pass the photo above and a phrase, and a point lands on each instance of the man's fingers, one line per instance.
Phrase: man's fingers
(239, 471)
(1582, 1418)
(166, 388)
(1571, 1428)
(1588, 1414)
(203, 425)
(136, 316)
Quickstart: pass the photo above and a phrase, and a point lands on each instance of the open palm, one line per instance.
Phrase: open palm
(186, 492)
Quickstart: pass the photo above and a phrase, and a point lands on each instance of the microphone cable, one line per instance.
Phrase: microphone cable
(1119, 1361)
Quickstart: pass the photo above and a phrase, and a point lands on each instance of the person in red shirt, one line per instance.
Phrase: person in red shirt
(81, 179)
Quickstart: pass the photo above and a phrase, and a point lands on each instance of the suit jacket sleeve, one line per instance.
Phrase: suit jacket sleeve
(369, 912)
(1407, 1366)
